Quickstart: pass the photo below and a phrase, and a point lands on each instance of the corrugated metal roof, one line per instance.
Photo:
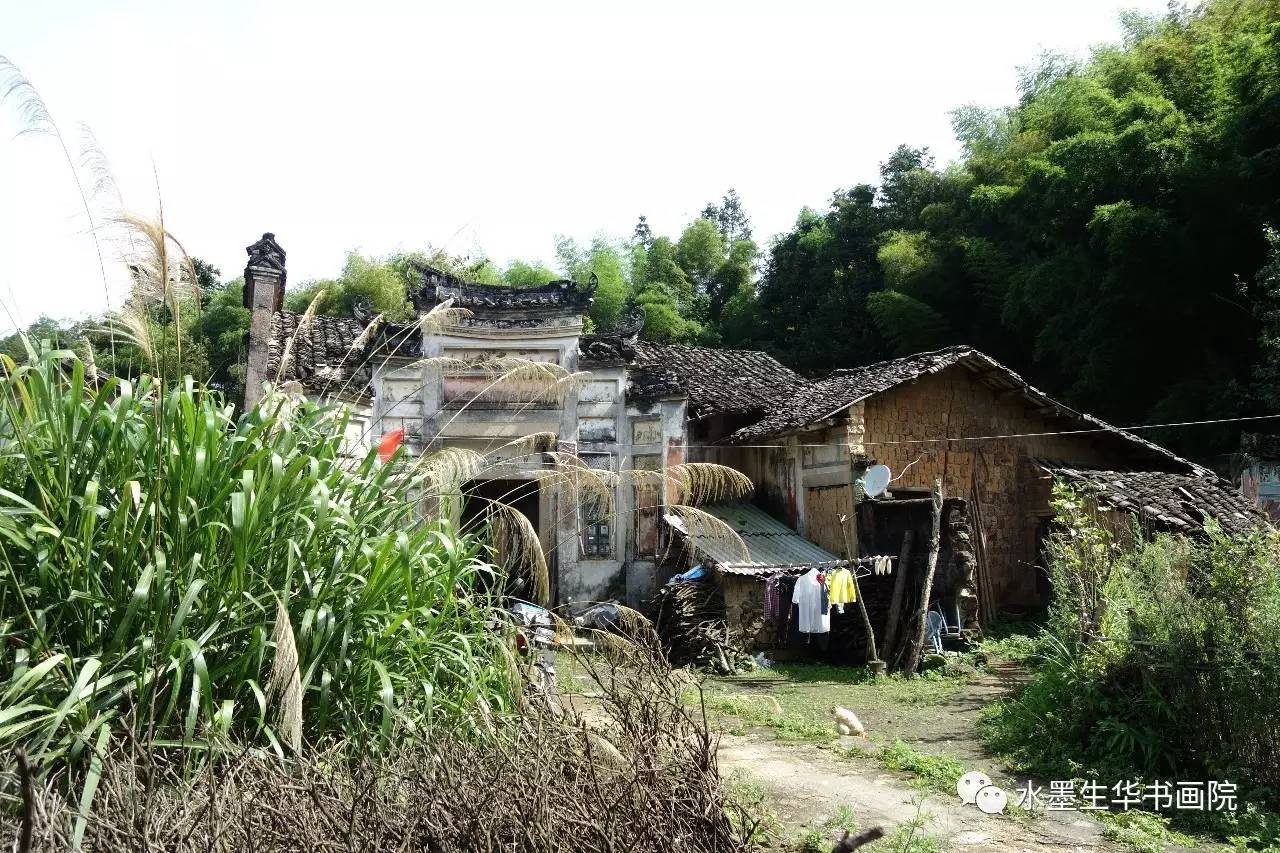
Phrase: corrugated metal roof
(771, 545)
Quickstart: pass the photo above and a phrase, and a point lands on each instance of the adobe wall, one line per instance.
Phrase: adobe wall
(1012, 493)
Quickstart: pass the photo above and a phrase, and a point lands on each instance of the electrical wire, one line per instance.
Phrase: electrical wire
(967, 438)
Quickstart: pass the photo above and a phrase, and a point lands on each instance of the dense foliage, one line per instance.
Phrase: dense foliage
(1106, 234)
(1161, 660)
(170, 569)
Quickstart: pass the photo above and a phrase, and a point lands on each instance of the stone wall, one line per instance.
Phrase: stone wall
(744, 613)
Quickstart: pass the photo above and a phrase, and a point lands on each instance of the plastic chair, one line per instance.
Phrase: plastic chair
(934, 625)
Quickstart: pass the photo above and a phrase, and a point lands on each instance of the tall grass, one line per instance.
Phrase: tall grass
(193, 578)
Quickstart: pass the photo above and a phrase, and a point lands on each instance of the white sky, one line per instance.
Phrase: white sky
(480, 127)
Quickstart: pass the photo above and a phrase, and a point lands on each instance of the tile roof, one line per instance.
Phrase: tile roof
(323, 359)
(724, 381)
(826, 397)
(771, 545)
(1177, 501)
(650, 383)
(564, 295)
(605, 351)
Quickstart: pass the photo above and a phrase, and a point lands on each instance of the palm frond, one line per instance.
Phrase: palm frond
(132, 323)
(16, 89)
(94, 161)
(701, 528)
(34, 114)
(449, 468)
(519, 549)
(696, 483)
(441, 317)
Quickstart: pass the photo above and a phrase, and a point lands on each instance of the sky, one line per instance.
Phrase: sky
(483, 128)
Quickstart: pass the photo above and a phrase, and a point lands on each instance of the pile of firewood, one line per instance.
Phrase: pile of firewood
(691, 621)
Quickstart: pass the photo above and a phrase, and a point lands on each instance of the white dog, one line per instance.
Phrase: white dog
(847, 722)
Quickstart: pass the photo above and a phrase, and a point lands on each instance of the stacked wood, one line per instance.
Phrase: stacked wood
(692, 622)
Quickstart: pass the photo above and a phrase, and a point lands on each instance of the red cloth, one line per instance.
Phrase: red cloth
(390, 441)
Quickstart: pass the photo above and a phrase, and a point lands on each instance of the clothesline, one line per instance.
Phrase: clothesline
(815, 594)
(767, 572)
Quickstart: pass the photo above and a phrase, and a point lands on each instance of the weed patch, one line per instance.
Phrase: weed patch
(1142, 832)
(933, 772)
(753, 819)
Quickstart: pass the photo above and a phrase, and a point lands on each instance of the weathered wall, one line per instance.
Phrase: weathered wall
(744, 612)
(1011, 492)
(774, 471)
(824, 505)
(1260, 483)
(592, 580)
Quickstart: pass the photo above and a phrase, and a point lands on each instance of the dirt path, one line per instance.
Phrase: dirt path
(807, 784)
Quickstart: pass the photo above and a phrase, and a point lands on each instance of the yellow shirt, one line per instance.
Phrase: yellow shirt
(840, 587)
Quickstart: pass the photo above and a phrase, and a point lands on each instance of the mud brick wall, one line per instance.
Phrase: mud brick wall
(824, 507)
(1011, 491)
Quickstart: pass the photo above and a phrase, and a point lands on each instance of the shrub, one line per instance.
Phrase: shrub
(935, 772)
(1161, 660)
(549, 781)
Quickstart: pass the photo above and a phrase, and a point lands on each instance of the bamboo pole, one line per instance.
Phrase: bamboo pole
(935, 545)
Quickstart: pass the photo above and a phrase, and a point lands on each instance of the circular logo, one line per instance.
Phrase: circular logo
(970, 784)
(992, 799)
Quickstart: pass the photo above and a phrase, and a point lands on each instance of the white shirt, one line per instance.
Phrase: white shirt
(808, 598)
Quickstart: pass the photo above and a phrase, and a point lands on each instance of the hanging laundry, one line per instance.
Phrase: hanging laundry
(786, 610)
(808, 598)
(772, 599)
(841, 589)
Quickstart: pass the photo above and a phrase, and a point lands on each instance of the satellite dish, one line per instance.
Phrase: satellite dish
(876, 480)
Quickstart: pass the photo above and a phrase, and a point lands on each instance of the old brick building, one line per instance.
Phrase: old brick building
(995, 441)
(955, 414)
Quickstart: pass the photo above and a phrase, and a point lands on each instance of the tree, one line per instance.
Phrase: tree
(700, 252)
(608, 262)
(664, 321)
(730, 217)
(223, 327)
(527, 274)
(643, 234)
(716, 269)
(1094, 233)
(660, 266)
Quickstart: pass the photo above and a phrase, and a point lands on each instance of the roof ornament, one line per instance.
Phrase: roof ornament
(266, 253)
(629, 327)
(362, 310)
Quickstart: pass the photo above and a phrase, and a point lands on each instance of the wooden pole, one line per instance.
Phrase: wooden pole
(876, 665)
(935, 545)
(895, 601)
(849, 527)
